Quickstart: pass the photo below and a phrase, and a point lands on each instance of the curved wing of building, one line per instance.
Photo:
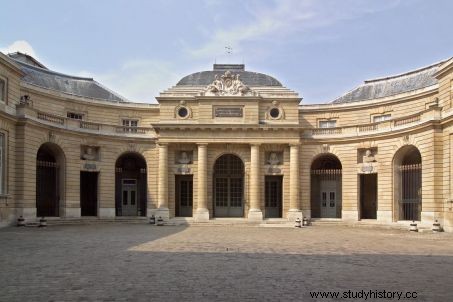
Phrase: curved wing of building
(226, 142)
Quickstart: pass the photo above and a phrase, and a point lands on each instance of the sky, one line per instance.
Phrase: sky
(318, 48)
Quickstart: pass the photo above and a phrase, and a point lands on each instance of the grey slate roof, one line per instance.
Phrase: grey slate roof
(249, 78)
(78, 86)
(383, 87)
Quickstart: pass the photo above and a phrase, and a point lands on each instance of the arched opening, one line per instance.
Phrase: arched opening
(130, 185)
(50, 166)
(408, 183)
(229, 186)
(326, 187)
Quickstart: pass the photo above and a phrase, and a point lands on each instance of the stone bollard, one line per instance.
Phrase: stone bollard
(160, 221)
(413, 227)
(42, 222)
(436, 227)
(20, 221)
(152, 219)
(297, 223)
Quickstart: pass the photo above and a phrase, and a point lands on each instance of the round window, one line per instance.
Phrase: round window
(274, 113)
(183, 112)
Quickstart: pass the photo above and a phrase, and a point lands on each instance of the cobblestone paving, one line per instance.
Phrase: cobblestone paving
(138, 262)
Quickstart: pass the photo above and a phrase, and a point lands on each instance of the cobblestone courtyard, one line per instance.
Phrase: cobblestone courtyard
(138, 262)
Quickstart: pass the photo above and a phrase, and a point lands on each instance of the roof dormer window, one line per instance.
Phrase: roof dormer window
(75, 116)
(328, 124)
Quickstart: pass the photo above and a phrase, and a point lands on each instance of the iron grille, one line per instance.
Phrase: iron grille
(410, 192)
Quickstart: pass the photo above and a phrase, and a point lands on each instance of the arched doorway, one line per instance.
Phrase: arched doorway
(130, 185)
(229, 186)
(326, 187)
(49, 180)
(408, 183)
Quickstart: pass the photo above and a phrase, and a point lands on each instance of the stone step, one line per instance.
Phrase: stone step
(367, 224)
(77, 221)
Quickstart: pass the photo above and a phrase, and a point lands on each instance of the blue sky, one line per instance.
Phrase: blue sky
(320, 49)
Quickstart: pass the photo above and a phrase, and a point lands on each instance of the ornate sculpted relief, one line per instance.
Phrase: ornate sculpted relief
(273, 160)
(227, 84)
(183, 159)
(367, 160)
(90, 153)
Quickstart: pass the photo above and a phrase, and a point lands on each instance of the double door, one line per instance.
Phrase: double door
(329, 199)
(129, 202)
(229, 195)
(368, 196)
(273, 197)
(89, 193)
(184, 195)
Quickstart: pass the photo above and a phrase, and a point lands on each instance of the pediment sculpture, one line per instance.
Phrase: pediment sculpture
(227, 84)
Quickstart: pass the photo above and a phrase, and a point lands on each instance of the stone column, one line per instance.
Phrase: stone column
(294, 204)
(255, 213)
(202, 214)
(162, 185)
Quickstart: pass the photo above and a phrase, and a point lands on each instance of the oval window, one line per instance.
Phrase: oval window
(274, 113)
(183, 112)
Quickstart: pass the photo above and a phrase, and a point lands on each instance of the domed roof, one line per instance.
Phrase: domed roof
(249, 78)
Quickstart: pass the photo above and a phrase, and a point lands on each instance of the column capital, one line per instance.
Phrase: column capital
(255, 144)
(159, 144)
(294, 144)
(202, 144)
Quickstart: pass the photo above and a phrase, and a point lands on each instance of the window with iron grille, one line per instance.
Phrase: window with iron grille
(75, 116)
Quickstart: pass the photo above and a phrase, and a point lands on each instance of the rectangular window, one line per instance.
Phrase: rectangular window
(381, 118)
(130, 124)
(2, 164)
(75, 116)
(328, 124)
(2, 91)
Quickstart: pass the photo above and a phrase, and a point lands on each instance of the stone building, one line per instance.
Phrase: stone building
(226, 143)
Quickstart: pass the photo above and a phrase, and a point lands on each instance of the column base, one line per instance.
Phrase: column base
(151, 212)
(385, 216)
(306, 213)
(164, 213)
(72, 212)
(293, 214)
(255, 215)
(428, 218)
(26, 213)
(106, 212)
(350, 215)
(201, 215)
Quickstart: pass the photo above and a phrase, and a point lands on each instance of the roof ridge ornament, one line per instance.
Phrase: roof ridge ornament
(228, 85)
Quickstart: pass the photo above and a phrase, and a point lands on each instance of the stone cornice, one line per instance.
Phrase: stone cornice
(445, 68)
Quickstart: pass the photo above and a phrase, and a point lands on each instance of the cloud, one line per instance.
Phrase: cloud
(282, 19)
(21, 46)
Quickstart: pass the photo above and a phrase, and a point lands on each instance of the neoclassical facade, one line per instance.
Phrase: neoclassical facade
(226, 143)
